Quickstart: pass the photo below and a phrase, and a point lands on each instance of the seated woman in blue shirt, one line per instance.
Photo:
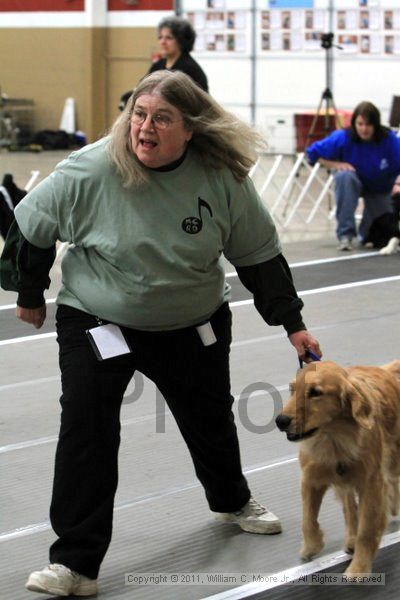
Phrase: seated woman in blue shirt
(366, 158)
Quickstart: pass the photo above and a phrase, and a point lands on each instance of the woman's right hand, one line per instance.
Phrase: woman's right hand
(33, 316)
(336, 164)
(343, 166)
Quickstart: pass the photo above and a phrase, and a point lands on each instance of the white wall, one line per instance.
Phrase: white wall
(288, 82)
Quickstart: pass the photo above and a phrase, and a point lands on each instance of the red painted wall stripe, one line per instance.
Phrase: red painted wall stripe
(141, 5)
(41, 5)
(79, 5)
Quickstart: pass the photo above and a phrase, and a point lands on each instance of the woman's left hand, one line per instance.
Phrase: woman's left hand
(33, 316)
(303, 341)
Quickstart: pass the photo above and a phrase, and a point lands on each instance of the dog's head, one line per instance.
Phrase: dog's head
(321, 394)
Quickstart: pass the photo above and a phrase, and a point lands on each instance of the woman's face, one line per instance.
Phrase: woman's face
(364, 129)
(157, 134)
(168, 44)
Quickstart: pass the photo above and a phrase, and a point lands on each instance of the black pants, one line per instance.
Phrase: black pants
(194, 380)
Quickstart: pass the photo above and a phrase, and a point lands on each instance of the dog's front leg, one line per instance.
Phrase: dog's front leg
(371, 525)
(313, 537)
(394, 496)
(350, 512)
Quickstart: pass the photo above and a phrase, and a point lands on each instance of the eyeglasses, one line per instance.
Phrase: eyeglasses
(159, 121)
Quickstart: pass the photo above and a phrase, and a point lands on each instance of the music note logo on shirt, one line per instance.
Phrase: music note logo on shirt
(195, 224)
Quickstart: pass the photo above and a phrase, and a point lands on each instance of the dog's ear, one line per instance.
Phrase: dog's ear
(359, 395)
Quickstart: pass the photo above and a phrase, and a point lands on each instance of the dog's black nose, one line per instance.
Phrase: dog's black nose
(283, 421)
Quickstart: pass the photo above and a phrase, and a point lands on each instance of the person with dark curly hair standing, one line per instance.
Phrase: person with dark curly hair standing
(176, 38)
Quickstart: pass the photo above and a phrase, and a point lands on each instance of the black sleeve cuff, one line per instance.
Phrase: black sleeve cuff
(31, 299)
(294, 327)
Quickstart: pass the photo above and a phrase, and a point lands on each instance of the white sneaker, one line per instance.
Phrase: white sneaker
(391, 248)
(60, 581)
(253, 518)
(345, 244)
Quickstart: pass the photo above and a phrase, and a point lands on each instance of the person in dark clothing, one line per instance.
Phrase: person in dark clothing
(176, 37)
(10, 195)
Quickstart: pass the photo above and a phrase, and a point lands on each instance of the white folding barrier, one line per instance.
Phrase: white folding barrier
(303, 192)
(287, 186)
(271, 175)
(324, 192)
(254, 168)
(34, 176)
(294, 189)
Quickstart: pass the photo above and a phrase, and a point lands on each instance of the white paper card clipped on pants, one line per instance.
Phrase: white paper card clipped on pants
(108, 341)
(206, 334)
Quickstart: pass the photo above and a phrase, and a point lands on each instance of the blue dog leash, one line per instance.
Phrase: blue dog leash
(311, 355)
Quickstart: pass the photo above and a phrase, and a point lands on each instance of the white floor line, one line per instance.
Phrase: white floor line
(276, 336)
(330, 288)
(28, 444)
(245, 591)
(324, 261)
(323, 290)
(259, 340)
(320, 261)
(346, 286)
(24, 531)
(53, 439)
(125, 422)
(292, 574)
(307, 263)
(28, 338)
(28, 382)
(241, 592)
(11, 306)
(45, 525)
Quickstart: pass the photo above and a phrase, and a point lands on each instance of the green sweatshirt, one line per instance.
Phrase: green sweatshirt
(149, 257)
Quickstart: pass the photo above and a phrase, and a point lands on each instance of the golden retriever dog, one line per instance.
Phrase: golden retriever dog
(347, 421)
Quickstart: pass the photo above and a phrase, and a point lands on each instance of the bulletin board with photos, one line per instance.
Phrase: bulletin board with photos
(219, 29)
(366, 28)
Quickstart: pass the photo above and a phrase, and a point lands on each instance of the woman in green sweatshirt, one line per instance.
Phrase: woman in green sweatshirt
(148, 212)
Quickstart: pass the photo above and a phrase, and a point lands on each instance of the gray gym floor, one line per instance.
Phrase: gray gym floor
(162, 523)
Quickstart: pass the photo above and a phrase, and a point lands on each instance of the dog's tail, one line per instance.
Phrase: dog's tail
(394, 368)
